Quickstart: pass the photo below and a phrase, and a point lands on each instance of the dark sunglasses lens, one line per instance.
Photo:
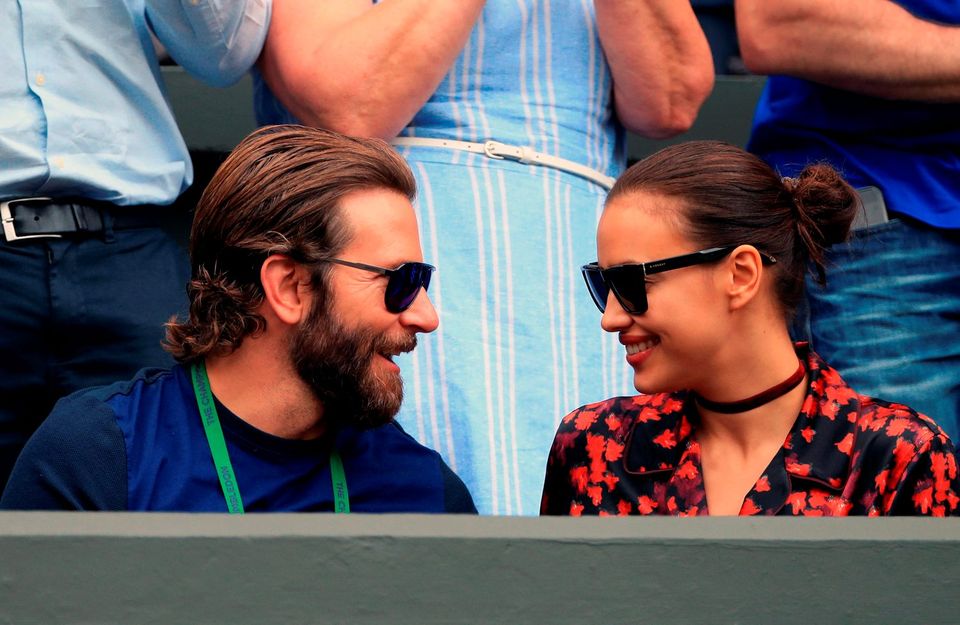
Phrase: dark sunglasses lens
(628, 284)
(597, 287)
(405, 284)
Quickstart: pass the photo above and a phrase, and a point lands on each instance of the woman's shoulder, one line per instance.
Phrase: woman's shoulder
(877, 422)
(617, 416)
(593, 442)
(912, 460)
(895, 425)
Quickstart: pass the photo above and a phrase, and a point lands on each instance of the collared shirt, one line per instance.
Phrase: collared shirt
(84, 109)
(846, 454)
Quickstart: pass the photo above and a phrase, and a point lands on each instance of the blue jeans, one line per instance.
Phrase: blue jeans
(889, 317)
(79, 312)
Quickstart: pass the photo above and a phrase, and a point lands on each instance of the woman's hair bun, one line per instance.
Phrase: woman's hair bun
(825, 207)
(822, 194)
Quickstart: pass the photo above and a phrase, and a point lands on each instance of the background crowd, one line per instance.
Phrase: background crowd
(870, 87)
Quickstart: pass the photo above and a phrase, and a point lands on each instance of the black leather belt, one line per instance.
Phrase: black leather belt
(49, 218)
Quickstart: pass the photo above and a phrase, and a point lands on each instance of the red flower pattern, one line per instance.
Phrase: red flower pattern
(847, 455)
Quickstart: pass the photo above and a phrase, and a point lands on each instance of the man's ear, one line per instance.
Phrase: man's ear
(283, 280)
(745, 267)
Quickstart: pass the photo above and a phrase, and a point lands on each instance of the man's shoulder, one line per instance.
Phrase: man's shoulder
(414, 466)
(72, 413)
(395, 444)
(77, 458)
(128, 406)
(144, 396)
(145, 380)
(395, 429)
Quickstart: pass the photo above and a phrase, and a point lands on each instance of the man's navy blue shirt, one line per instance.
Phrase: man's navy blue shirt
(140, 445)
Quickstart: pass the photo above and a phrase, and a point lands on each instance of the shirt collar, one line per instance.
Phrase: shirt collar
(820, 444)
(825, 426)
(660, 434)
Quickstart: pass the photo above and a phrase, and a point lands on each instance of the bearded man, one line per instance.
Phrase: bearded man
(307, 279)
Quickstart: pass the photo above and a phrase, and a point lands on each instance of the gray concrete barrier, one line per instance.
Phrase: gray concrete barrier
(261, 569)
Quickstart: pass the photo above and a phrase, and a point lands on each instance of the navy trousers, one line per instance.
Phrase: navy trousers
(81, 311)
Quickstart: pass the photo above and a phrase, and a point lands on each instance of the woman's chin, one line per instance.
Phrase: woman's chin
(648, 385)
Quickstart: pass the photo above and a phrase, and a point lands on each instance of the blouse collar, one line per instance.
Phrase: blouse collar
(826, 424)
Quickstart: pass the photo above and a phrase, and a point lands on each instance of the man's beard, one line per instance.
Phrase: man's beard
(337, 364)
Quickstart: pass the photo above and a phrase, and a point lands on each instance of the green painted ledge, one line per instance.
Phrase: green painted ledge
(284, 568)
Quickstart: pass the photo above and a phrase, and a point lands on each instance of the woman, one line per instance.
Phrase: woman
(511, 114)
(702, 254)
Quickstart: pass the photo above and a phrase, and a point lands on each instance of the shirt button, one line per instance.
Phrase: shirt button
(41, 79)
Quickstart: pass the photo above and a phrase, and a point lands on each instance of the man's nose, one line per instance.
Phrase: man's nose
(421, 315)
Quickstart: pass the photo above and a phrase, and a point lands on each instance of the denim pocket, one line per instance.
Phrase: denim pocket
(876, 229)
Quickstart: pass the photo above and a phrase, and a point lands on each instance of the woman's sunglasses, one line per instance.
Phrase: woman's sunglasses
(403, 283)
(628, 281)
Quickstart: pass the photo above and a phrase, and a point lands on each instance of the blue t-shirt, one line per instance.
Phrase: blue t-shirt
(140, 445)
(910, 150)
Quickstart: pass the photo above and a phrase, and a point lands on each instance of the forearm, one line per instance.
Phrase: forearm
(359, 68)
(874, 47)
(660, 60)
(216, 40)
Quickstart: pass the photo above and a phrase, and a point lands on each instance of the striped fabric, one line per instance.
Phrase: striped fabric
(519, 343)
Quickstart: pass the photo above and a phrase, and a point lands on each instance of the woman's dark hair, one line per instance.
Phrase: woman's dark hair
(277, 193)
(728, 197)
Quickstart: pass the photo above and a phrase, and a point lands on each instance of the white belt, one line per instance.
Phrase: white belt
(497, 150)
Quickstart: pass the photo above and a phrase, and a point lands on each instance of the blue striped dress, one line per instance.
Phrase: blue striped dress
(519, 343)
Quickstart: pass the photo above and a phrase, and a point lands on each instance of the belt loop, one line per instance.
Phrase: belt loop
(107, 217)
(527, 156)
(79, 217)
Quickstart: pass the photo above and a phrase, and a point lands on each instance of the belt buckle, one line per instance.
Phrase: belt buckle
(6, 216)
(495, 150)
(502, 151)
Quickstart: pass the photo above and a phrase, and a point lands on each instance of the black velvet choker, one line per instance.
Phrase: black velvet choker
(761, 398)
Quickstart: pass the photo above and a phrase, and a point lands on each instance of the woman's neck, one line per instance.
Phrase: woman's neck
(753, 429)
(753, 367)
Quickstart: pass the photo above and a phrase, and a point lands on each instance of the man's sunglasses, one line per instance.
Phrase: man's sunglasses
(403, 283)
(628, 281)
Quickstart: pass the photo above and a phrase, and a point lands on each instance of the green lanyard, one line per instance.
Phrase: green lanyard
(221, 457)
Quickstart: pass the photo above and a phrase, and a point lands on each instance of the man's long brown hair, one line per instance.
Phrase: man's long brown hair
(277, 193)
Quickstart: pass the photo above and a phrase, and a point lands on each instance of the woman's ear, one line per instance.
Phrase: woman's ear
(745, 270)
(283, 279)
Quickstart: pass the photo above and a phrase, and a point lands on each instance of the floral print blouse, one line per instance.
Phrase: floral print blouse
(847, 454)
